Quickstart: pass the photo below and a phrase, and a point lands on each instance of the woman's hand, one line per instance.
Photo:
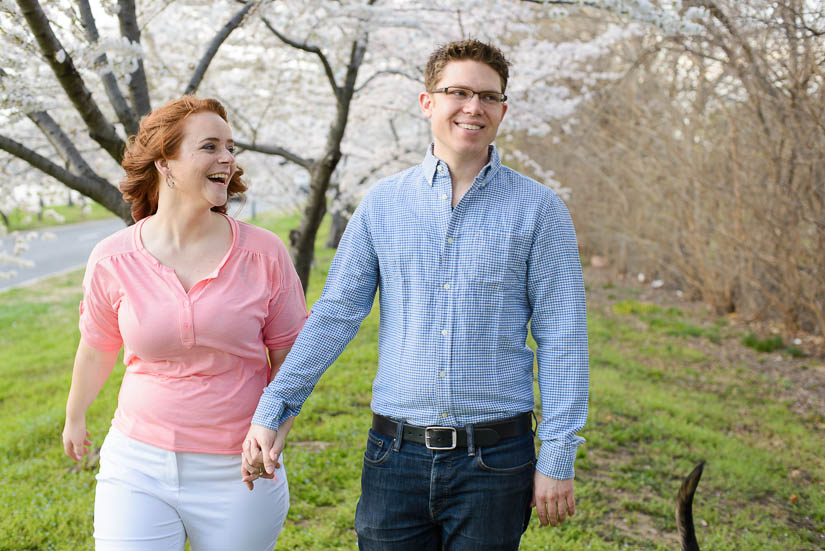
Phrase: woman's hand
(76, 439)
(91, 369)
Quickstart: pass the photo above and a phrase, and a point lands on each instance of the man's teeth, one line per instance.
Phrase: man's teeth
(469, 126)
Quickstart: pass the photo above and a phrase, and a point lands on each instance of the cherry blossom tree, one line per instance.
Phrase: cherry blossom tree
(321, 94)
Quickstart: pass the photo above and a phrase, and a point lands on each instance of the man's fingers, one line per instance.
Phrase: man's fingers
(541, 509)
(552, 512)
(561, 507)
(571, 505)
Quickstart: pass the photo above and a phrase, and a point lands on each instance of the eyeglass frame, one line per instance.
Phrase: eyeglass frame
(446, 89)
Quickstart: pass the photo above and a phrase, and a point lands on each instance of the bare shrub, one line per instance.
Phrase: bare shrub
(705, 165)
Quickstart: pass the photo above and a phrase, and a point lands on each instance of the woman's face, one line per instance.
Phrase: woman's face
(205, 161)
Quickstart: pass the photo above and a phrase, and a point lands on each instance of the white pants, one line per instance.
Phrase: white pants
(151, 499)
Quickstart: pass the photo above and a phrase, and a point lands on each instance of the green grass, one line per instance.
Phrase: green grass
(20, 220)
(658, 405)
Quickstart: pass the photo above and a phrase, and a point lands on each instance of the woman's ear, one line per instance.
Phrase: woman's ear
(162, 165)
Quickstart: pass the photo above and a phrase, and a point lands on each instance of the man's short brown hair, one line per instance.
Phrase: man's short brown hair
(462, 50)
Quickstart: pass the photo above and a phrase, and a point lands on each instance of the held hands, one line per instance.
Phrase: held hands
(76, 439)
(262, 449)
(553, 499)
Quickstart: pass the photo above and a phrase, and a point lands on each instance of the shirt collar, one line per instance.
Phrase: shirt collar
(431, 163)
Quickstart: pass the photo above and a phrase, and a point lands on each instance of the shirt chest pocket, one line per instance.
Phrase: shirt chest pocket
(498, 258)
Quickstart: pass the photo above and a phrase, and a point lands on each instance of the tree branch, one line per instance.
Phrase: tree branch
(279, 151)
(752, 62)
(61, 142)
(138, 88)
(124, 112)
(588, 3)
(222, 35)
(307, 48)
(386, 72)
(94, 187)
(100, 129)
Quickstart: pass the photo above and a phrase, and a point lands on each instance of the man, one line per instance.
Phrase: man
(466, 252)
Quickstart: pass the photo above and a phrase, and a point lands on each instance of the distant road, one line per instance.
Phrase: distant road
(72, 244)
(69, 250)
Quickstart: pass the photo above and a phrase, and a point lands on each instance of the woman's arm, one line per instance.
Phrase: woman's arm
(91, 369)
(276, 358)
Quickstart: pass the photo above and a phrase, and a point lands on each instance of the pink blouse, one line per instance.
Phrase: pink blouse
(196, 362)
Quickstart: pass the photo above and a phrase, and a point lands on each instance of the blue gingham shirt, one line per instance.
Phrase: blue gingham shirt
(458, 287)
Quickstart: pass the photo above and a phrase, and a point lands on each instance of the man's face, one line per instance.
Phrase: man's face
(463, 129)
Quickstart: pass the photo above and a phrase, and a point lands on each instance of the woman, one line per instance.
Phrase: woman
(197, 299)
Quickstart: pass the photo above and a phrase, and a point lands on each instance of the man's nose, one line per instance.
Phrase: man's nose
(473, 105)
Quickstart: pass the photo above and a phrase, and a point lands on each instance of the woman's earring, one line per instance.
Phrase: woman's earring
(170, 182)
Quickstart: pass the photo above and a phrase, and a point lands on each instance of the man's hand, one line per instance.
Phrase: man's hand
(553, 499)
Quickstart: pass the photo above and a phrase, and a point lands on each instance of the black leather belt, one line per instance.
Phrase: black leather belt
(448, 438)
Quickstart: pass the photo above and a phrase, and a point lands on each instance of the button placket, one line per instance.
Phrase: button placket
(187, 330)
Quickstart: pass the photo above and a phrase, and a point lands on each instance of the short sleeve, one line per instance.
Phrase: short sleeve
(287, 305)
(98, 308)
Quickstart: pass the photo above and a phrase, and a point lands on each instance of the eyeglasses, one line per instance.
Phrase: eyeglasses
(463, 95)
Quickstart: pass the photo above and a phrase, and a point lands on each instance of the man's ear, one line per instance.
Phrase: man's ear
(503, 110)
(425, 102)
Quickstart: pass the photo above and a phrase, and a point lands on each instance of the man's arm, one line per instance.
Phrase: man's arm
(559, 326)
(346, 300)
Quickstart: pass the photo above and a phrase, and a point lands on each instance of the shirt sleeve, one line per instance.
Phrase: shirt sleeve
(287, 305)
(559, 325)
(98, 308)
(346, 300)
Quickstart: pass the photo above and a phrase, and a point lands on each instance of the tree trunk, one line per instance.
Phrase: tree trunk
(336, 230)
(302, 239)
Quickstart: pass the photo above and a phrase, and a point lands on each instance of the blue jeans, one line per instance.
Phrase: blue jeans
(416, 499)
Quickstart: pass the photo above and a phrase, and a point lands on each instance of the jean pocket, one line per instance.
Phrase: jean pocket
(378, 450)
(513, 456)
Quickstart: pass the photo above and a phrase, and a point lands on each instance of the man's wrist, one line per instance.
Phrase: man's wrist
(556, 462)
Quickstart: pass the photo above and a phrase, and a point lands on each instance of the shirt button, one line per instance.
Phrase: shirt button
(450, 240)
(442, 374)
(440, 168)
(444, 332)
(444, 415)
(446, 285)
(443, 196)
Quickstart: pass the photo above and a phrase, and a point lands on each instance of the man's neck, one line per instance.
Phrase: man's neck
(463, 170)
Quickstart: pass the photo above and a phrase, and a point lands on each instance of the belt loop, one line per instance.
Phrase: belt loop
(399, 433)
(471, 448)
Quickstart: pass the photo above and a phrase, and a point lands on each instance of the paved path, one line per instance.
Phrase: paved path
(67, 251)
(72, 244)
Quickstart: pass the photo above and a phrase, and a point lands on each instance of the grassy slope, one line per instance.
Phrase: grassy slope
(658, 404)
(24, 221)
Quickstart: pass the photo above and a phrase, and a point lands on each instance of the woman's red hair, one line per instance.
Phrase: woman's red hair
(159, 137)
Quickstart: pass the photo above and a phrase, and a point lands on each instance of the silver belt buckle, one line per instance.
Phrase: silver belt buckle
(427, 438)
